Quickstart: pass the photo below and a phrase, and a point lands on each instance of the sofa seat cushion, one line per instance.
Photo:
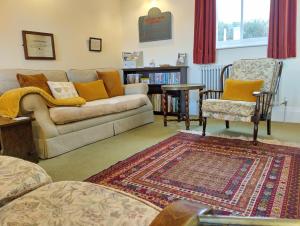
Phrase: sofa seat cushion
(92, 109)
(77, 203)
(18, 177)
(228, 107)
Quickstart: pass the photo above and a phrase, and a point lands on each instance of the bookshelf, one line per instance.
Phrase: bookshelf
(155, 77)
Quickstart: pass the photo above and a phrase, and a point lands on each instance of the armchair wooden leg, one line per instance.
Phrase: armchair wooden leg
(269, 126)
(255, 132)
(227, 124)
(204, 121)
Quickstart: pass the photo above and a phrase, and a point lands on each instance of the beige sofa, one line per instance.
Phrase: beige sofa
(62, 129)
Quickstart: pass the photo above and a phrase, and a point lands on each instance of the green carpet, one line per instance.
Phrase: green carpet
(91, 159)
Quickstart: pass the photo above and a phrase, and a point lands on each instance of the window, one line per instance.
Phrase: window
(242, 23)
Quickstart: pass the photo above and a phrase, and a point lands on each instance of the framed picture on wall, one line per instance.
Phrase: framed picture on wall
(38, 45)
(95, 44)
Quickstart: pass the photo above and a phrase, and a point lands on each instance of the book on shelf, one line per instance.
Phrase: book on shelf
(155, 78)
(137, 78)
(157, 101)
(145, 80)
(164, 78)
(133, 78)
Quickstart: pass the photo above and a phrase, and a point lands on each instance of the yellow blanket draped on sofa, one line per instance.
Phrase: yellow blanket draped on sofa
(10, 100)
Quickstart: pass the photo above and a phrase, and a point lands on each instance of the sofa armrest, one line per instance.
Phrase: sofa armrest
(36, 104)
(137, 88)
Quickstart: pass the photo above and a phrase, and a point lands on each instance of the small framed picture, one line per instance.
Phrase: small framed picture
(181, 60)
(95, 44)
(38, 45)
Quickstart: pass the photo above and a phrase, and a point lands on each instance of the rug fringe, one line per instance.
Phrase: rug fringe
(266, 141)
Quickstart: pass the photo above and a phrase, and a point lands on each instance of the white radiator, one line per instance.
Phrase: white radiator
(210, 76)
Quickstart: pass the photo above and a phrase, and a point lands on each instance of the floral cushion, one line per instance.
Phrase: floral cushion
(257, 69)
(18, 177)
(76, 203)
(229, 107)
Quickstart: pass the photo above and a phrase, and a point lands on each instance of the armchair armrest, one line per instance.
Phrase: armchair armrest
(257, 94)
(136, 88)
(263, 103)
(262, 93)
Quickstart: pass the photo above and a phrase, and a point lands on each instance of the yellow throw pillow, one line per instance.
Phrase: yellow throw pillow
(91, 90)
(241, 90)
(112, 82)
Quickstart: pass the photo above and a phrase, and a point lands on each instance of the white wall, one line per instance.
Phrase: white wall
(116, 21)
(72, 22)
(183, 26)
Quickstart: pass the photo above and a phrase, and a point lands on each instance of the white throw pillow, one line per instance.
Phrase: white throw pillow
(62, 90)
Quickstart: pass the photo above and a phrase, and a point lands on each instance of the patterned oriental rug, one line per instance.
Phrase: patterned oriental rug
(231, 175)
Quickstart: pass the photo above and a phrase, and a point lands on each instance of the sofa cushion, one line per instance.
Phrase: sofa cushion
(92, 122)
(37, 80)
(112, 82)
(241, 108)
(77, 203)
(90, 91)
(62, 115)
(85, 75)
(18, 177)
(62, 90)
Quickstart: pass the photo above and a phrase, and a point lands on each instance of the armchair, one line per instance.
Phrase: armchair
(213, 106)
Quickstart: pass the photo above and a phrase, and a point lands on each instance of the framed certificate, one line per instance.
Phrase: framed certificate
(38, 45)
(95, 44)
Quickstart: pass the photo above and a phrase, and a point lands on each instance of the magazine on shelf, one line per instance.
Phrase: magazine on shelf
(133, 60)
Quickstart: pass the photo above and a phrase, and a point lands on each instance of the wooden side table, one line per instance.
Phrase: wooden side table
(16, 139)
(184, 88)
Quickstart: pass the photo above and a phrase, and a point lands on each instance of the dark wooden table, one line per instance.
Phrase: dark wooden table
(16, 139)
(184, 88)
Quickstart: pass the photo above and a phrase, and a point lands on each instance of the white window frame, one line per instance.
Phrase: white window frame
(250, 42)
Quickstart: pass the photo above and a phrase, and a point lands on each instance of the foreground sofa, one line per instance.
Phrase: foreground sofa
(28, 197)
(62, 129)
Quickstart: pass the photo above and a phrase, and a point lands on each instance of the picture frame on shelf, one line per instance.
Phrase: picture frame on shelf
(38, 45)
(181, 59)
(95, 44)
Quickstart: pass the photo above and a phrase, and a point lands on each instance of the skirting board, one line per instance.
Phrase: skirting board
(288, 114)
(279, 114)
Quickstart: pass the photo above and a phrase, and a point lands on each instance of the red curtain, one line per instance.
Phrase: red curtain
(205, 32)
(282, 31)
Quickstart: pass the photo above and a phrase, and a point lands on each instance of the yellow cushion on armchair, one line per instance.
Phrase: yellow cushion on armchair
(241, 90)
